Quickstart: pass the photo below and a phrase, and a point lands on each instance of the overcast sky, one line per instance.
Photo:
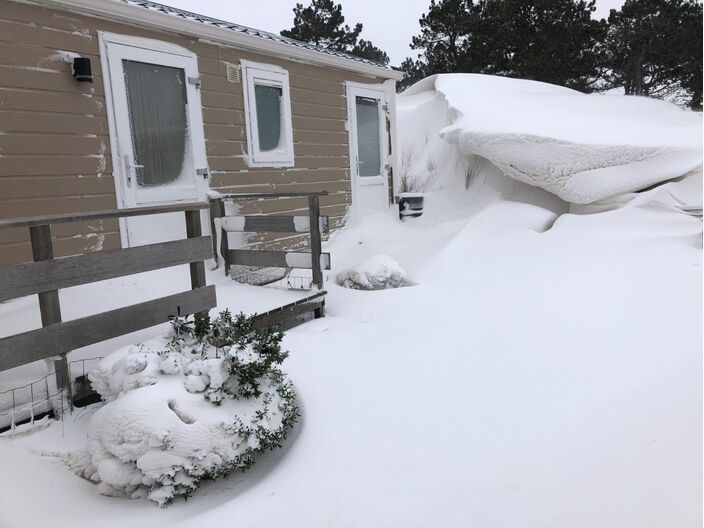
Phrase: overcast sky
(389, 24)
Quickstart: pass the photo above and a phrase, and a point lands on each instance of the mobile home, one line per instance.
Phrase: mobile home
(110, 104)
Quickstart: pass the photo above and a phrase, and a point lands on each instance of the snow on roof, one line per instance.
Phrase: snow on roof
(188, 15)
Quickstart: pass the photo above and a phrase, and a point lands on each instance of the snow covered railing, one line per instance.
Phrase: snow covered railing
(313, 223)
(46, 275)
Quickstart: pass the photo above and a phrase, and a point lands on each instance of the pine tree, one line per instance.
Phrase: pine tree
(445, 32)
(367, 50)
(323, 24)
(413, 71)
(554, 41)
(654, 48)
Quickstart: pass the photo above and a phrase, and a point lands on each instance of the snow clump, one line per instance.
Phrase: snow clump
(378, 272)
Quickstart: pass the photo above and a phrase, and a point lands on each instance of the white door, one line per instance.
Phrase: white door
(368, 148)
(157, 120)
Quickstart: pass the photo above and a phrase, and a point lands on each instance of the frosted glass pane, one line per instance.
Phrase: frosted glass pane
(156, 98)
(268, 116)
(368, 140)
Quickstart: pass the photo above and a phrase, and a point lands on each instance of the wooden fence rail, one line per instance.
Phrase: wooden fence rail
(313, 223)
(46, 275)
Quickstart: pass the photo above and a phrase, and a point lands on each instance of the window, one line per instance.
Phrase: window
(267, 106)
(368, 138)
(157, 108)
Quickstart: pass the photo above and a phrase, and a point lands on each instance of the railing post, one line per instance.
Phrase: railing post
(316, 245)
(194, 230)
(224, 242)
(217, 210)
(50, 308)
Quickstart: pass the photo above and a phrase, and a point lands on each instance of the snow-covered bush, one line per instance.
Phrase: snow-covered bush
(195, 405)
(378, 272)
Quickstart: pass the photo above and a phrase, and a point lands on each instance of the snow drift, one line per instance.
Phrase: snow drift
(582, 148)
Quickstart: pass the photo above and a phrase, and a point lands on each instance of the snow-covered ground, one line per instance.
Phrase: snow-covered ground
(544, 369)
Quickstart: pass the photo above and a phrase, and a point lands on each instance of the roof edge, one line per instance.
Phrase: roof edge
(152, 19)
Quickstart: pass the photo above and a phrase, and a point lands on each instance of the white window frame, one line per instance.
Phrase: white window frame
(270, 75)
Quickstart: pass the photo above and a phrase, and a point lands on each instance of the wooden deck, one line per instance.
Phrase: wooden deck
(90, 273)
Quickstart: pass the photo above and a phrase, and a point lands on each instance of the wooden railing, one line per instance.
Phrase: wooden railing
(46, 275)
(313, 223)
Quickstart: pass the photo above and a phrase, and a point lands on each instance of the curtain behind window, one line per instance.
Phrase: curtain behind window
(156, 98)
(268, 100)
(368, 140)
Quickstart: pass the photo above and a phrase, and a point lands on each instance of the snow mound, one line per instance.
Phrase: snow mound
(583, 148)
(180, 410)
(378, 272)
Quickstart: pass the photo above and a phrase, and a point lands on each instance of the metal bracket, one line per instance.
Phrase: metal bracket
(195, 81)
(202, 172)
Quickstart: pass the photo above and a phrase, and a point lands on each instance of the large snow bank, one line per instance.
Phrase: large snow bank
(455, 185)
(583, 148)
(180, 410)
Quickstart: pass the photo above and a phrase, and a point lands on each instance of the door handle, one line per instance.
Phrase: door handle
(129, 168)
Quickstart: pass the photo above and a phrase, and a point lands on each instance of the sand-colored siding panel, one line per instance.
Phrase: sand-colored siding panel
(323, 151)
(45, 101)
(53, 123)
(225, 148)
(52, 186)
(32, 34)
(334, 186)
(224, 132)
(47, 80)
(53, 165)
(18, 208)
(73, 245)
(226, 100)
(278, 176)
(319, 137)
(19, 234)
(319, 98)
(221, 116)
(63, 144)
(301, 122)
(318, 110)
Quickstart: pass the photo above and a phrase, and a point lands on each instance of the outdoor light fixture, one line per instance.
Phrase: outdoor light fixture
(82, 70)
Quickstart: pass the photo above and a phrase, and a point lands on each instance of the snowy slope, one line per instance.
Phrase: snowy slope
(583, 148)
(536, 376)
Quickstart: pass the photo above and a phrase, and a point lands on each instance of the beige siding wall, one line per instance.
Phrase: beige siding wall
(54, 138)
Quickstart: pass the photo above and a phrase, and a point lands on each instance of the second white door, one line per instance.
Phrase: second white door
(369, 148)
